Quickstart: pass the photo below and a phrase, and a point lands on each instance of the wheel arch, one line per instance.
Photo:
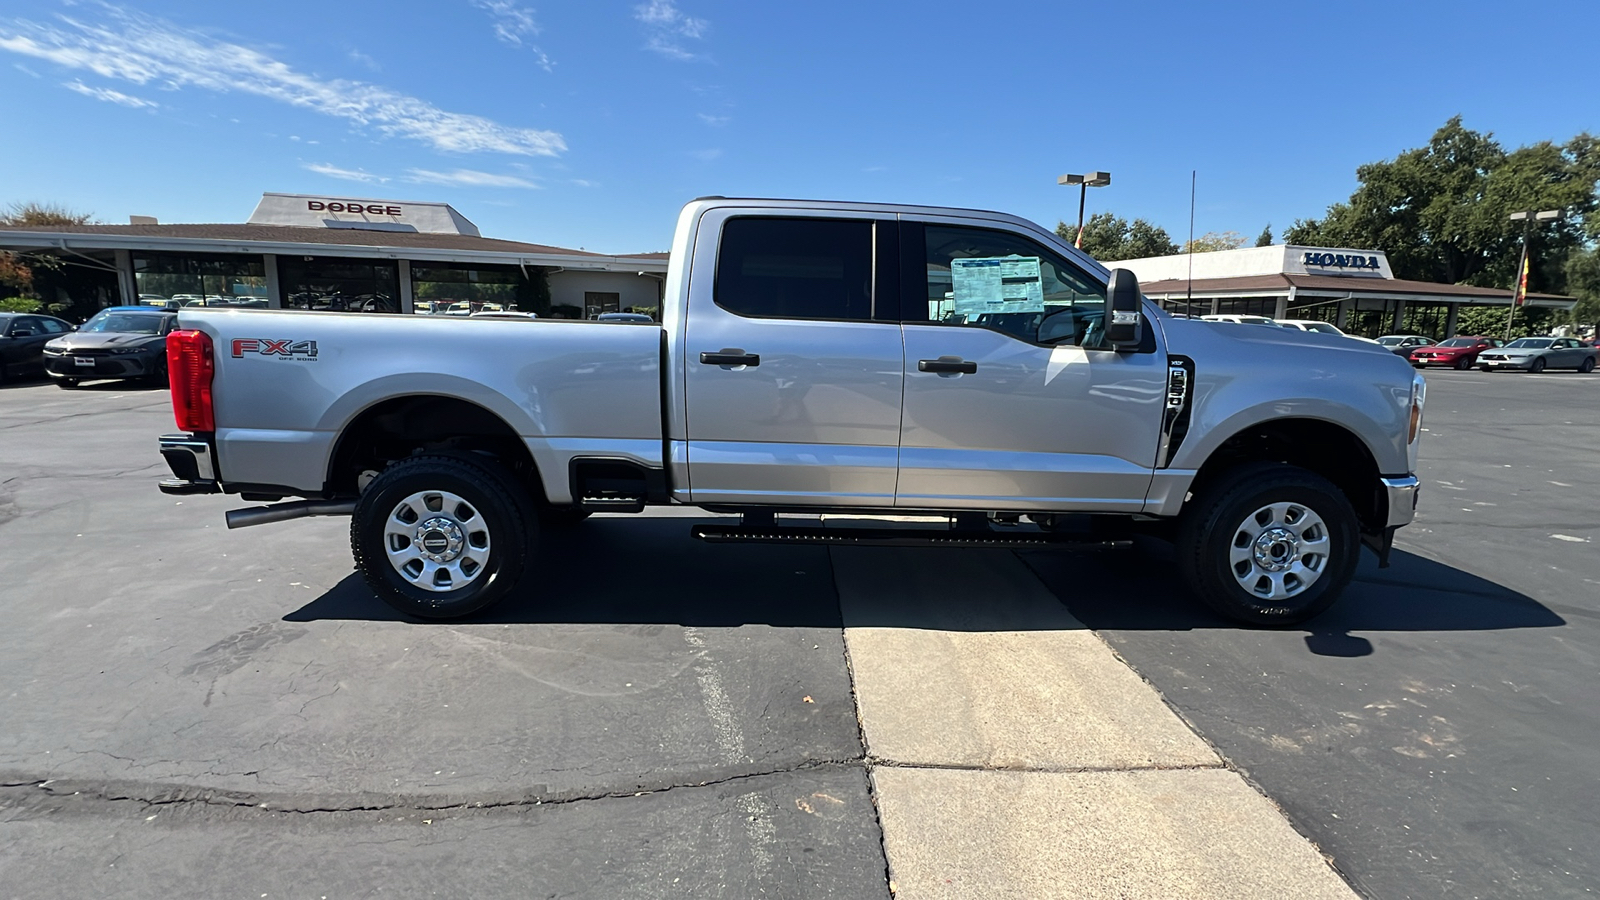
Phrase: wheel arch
(398, 427)
(1326, 448)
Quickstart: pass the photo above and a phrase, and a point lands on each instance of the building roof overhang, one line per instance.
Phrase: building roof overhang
(1337, 287)
(288, 240)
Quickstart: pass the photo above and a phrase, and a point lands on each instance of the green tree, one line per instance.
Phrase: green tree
(30, 213)
(1440, 212)
(1265, 238)
(1109, 237)
(1583, 281)
(1491, 321)
(1212, 241)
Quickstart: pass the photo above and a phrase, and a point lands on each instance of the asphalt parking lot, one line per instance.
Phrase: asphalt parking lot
(192, 711)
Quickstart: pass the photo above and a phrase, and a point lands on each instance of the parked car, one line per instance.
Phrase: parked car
(1238, 319)
(1539, 353)
(22, 340)
(1310, 325)
(118, 342)
(638, 318)
(1459, 352)
(504, 314)
(1402, 344)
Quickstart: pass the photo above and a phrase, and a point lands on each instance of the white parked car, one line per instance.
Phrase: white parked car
(1320, 327)
(1238, 320)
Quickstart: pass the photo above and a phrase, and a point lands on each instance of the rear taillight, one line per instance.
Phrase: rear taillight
(190, 366)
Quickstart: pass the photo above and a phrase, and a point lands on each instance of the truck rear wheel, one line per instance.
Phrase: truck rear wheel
(441, 537)
(1269, 544)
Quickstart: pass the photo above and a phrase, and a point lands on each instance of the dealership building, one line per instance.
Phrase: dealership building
(1354, 289)
(319, 253)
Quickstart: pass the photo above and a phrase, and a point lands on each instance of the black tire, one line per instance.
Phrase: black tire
(562, 516)
(1464, 363)
(495, 502)
(1586, 366)
(1214, 519)
(1536, 366)
(1485, 369)
(66, 384)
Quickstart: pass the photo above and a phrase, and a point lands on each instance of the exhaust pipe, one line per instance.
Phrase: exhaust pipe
(283, 512)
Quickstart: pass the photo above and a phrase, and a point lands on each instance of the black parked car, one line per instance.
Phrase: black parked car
(22, 340)
(119, 342)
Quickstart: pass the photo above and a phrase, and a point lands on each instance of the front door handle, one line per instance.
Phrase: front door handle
(730, 356)
(947, 365)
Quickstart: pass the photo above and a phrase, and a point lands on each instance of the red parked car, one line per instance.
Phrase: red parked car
(1458, 352)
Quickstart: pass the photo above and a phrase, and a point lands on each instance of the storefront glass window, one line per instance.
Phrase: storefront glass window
(212, 279)
(1319, 309)
(331, 284)
(461, 289)
(1248, 306)
(1426, 318)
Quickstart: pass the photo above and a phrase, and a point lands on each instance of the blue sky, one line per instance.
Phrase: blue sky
(588, 124)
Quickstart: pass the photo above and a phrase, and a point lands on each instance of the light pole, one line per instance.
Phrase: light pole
(1519, 294)
(1084, 182)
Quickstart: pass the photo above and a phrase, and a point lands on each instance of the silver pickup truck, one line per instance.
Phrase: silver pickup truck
(815, 358)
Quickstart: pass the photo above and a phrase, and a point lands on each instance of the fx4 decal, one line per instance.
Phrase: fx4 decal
(289, 349)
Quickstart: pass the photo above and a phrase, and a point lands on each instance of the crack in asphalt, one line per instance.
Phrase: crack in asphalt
(53, 795)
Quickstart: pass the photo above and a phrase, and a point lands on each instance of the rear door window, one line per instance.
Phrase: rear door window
(795, 268)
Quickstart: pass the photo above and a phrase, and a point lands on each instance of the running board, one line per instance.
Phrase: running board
(886, 537)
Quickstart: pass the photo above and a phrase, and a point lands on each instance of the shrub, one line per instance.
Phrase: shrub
(19, 305)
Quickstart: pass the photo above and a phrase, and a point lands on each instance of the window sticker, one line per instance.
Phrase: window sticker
(996, 284)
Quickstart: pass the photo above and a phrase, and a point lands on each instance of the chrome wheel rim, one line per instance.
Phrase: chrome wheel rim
(1279, 551)
(437, 541)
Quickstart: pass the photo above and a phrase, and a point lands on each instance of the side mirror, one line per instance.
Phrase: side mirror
(1125, 316)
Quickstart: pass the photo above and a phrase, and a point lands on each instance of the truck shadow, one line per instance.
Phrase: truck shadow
(648, 570)
(1145, 593)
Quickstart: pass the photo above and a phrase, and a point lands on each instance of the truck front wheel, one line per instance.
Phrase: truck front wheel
(441, 537)
(1269, 544)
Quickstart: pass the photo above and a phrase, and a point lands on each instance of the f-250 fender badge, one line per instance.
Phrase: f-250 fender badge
(288, 349)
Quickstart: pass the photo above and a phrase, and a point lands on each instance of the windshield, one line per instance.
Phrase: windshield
(1323, 327)
(1460, 342)
(1529, 344)
(124, 323)
(1390, 341)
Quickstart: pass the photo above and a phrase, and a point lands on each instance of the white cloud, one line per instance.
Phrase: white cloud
(110, 96)
(467, 178)
(669, 27)
(358, 57)
(333, 171)
(707, 155)
(715, 120)
(513, 24)
(136, 48)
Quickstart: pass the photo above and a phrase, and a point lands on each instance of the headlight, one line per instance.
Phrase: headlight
(124, 351)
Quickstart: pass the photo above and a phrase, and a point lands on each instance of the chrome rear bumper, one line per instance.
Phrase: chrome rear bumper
(192, 463)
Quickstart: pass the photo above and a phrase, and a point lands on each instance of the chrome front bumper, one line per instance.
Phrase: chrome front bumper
(1402, 493)
(193, 466)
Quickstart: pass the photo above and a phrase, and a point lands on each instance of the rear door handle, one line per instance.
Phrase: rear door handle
(947, 365)
(730, 356)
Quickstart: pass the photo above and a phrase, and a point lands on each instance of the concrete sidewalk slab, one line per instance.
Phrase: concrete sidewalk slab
(986, 668)
(1014, 755)
(1195, 834)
